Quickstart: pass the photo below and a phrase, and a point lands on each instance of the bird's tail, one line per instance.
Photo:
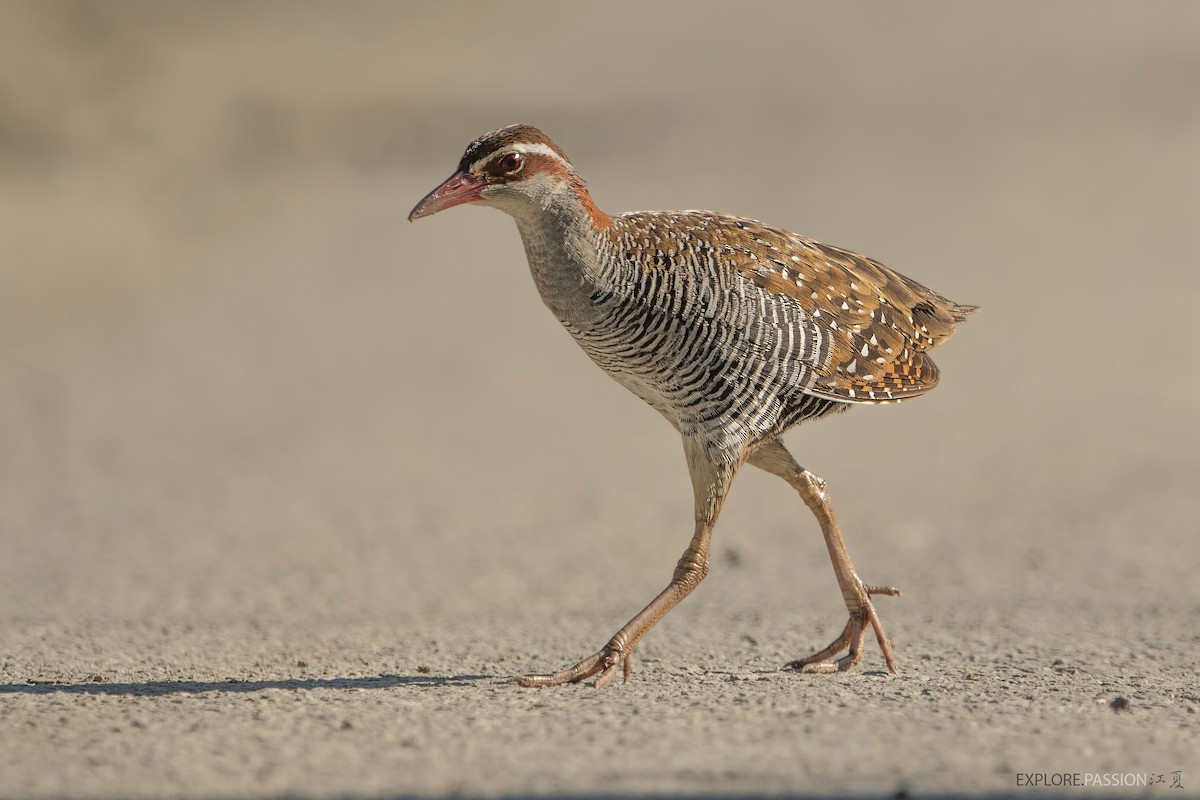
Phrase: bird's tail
(960, 313)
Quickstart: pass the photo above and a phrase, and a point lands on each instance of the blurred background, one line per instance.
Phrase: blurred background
(240, 389)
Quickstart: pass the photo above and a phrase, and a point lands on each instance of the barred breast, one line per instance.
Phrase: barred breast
(736, 331)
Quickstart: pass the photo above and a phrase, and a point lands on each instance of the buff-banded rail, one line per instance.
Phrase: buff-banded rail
(733, 330)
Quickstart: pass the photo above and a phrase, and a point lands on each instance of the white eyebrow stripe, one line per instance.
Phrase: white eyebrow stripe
(532, 148)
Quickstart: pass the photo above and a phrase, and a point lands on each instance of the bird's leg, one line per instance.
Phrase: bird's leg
(774, 458)
(710, 480)
(689, 571)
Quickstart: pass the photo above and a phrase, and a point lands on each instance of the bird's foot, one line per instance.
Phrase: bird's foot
(602, 664)
(853, 636)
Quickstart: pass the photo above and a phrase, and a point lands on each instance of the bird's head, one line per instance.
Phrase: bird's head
(517, 169)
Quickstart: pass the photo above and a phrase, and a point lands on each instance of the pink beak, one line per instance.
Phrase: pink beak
(461, 187)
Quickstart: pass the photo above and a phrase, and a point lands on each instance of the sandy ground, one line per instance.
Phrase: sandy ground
(289, 487)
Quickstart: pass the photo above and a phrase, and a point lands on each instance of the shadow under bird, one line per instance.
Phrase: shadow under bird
(733, 330)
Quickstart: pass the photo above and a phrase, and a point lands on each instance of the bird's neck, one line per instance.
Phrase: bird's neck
(561, 233)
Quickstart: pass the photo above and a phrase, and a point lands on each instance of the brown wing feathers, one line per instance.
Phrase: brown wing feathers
(879, 322)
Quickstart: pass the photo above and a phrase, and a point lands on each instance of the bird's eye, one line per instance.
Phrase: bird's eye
(511, 163)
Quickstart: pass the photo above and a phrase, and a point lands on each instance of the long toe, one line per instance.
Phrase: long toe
(603, 664)
(853, 637)
(581, 671)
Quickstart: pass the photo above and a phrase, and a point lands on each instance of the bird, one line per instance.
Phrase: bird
(733, 330)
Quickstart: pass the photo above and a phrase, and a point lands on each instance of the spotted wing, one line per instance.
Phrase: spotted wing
(878, 324)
